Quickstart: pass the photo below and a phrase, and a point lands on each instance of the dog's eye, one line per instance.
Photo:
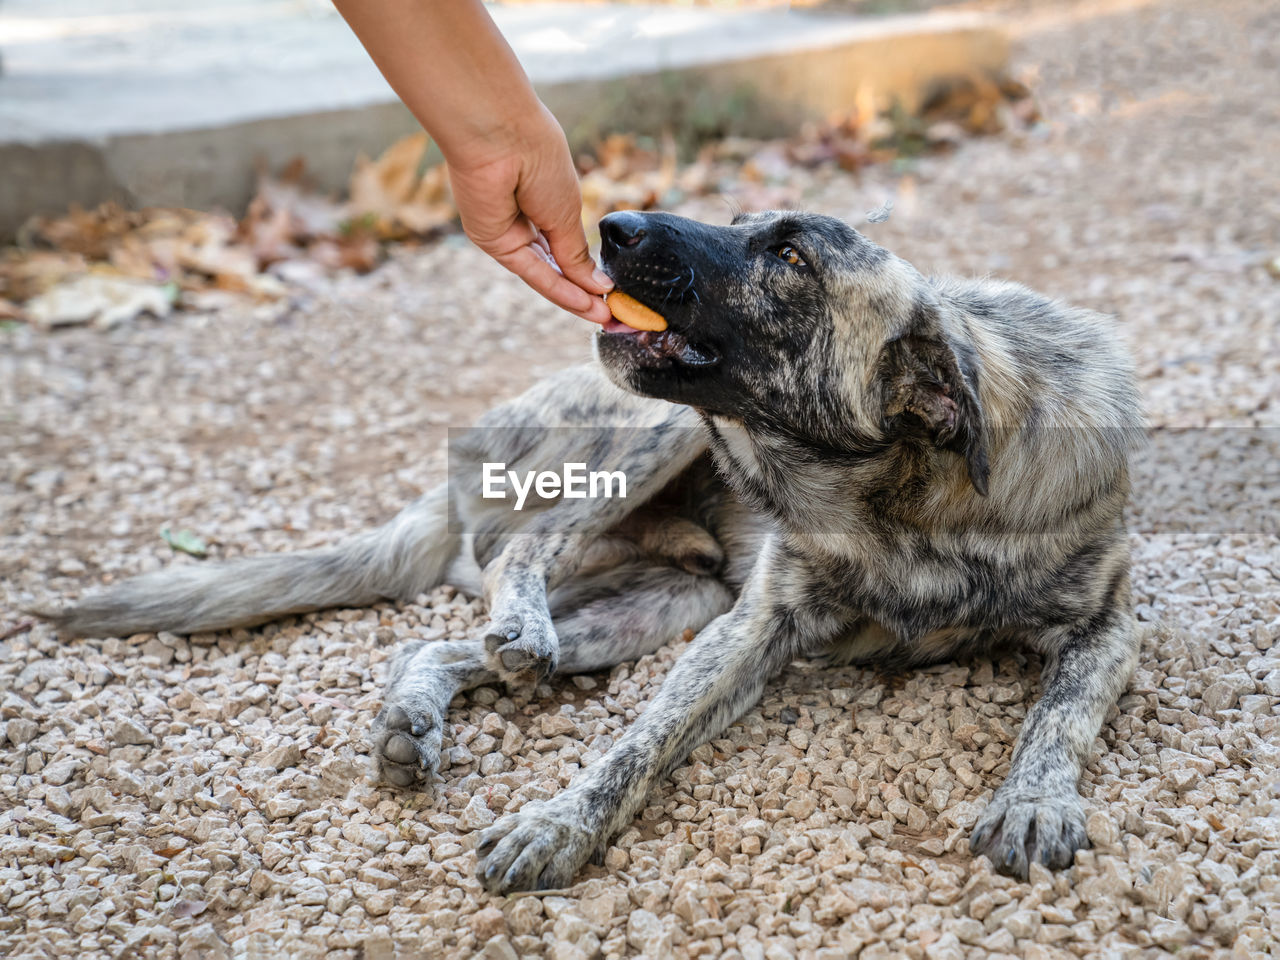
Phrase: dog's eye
(791, 255)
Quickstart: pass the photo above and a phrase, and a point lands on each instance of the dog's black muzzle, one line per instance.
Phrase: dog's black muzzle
(661, 261)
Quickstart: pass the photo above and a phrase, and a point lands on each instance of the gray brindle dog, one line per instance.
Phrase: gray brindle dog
(905, 470)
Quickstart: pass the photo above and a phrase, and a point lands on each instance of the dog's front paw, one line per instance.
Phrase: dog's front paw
(541, 847)
(521, 641)
(1019, 828)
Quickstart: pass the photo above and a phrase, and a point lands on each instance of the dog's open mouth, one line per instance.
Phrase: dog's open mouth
(654, 304)
(662, 344)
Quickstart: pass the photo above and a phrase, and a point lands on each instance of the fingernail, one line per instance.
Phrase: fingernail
(602, 278)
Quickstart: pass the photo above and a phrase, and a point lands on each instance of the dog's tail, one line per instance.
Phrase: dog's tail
(396, 561)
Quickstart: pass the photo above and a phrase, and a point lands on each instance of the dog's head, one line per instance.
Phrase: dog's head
(795, 323)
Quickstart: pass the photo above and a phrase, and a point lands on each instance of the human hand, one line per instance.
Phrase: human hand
(518, 196)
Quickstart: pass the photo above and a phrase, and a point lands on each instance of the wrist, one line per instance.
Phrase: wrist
(518, 129)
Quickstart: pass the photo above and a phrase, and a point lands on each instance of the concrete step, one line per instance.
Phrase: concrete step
(165, 102)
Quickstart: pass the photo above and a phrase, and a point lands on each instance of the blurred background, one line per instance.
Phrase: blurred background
(157, 103)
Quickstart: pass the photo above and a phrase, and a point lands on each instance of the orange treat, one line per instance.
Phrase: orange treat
(633, 313)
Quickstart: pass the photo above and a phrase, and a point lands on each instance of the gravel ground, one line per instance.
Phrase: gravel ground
(207, 796)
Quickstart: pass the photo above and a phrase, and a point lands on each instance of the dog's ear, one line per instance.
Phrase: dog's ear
(931, 385)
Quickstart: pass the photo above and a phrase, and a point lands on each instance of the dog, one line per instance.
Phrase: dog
(828, 455)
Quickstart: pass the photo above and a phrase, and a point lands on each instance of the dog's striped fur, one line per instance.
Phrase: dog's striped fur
(908, 469)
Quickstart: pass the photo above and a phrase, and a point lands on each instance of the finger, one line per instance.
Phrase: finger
(599, 313)
(568, 244)
(552, 200)
(525, 253)
(532, 266)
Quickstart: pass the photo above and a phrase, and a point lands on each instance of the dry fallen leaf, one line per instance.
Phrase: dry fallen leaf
(26, 273)
(11, 312)
(90, 233)
(103, 300)
(359, 250)
(186, 541)
(395, 197)
(209, 247)
(623, 175)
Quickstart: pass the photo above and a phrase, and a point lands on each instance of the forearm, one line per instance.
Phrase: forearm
(452, 68)
(512, 176)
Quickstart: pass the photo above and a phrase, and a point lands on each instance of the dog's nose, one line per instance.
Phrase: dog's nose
(624, 230)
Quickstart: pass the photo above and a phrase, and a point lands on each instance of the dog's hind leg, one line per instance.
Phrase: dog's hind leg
(1036, 815)
(601, 621)
(424, 677)
(629, 611)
